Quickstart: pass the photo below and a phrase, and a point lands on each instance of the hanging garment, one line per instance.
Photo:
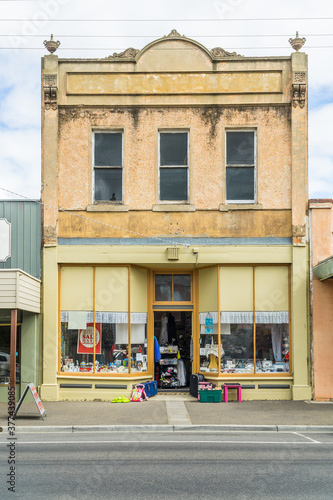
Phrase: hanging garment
(164, 330)
(172, 331)
(277, 342)
(181, 372)
(157, 353)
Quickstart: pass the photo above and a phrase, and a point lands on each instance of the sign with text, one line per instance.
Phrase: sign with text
(85, 341)
(37, 400)
(5, 237)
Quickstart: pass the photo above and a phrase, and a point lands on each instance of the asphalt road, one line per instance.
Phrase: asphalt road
(228, 465)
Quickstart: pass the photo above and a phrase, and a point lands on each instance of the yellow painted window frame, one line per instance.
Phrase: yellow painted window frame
(96, 374)
(172, 273)
(254, 374)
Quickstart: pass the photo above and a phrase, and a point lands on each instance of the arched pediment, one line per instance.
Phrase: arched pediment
(168, 53)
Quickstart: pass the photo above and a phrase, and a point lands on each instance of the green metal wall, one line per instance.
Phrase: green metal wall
(25, 219)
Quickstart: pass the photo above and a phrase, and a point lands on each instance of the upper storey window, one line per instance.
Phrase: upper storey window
(173, 163)
(240, 166)
(108, 166)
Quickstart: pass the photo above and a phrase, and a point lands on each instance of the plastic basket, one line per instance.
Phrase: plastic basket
(210, 396)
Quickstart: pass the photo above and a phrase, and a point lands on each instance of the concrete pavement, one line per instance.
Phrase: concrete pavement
(171, 412)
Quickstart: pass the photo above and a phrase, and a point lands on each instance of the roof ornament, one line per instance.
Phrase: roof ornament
(126, 54)
(173, 33)
(297, 42)
(51, 45)
(218, 52)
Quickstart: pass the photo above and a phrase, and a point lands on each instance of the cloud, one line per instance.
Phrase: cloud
(20, 69)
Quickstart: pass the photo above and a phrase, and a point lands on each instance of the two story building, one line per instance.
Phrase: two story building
(175, 213)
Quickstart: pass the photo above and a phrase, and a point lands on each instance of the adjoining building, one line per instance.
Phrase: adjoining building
(321, 219)
(175, 191)
(20, 294)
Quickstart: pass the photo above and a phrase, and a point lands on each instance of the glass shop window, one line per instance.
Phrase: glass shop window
(173, 288)
(173, 166)
(5, 354)
(209, 342)
(272, 319)
(236, 317)
(240, 166)
(108, 166)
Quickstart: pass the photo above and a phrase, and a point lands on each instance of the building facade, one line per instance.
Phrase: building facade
(175, 191)
(20, 295)
(321, 219)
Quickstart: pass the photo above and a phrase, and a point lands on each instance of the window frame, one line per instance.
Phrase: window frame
(170, 303)
(174, 131)
(94, 167)
(254, 166)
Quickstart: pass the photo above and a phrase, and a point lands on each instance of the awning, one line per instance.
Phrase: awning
(19, 290)
(324, 270)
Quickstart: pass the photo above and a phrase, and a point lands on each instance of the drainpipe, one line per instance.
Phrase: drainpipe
(311, 303)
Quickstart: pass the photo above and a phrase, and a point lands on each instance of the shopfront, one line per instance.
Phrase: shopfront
(228, 322)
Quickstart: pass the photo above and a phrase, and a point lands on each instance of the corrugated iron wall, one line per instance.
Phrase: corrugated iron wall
(25, 219)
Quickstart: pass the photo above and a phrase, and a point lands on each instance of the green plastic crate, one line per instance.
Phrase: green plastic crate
(210, 396)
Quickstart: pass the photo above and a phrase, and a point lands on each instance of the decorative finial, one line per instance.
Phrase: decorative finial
(297, 42)
(51, 45)
(174, 33)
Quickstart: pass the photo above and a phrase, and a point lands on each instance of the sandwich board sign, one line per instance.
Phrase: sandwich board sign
(37, 400)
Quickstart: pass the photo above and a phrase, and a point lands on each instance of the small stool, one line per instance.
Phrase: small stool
(238, 388)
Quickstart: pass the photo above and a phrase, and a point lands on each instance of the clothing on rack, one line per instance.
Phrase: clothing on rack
(181, 371)
(163, 338)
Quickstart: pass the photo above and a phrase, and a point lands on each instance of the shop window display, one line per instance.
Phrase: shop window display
(272, 348)
(237, 354)
(208, 342)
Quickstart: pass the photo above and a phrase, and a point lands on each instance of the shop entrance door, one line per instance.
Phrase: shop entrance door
(173, 327)
(173, 332)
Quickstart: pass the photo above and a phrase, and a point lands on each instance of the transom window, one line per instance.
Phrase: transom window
(173, 163)
(240, 166)
(172, 287)
(108, 166)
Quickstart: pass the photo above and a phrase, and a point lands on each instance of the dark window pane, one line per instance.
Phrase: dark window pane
(173, 184)
(240, 148)
(173, 149)
(240, 183)
(108, 184)
(108, 150)
(182, 287)
(163, 287)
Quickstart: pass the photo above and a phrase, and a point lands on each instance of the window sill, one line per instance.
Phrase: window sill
(174, 208)
(107, 208)
(240, 206)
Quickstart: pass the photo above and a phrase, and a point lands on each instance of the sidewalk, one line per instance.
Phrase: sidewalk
(172, 410)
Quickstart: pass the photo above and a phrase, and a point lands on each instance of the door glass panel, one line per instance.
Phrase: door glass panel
(182, 288)
(163, 287)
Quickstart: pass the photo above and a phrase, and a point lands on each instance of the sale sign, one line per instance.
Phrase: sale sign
(85, 341)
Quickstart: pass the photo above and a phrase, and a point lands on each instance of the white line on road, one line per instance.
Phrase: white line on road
(136, 441)
(306, 437)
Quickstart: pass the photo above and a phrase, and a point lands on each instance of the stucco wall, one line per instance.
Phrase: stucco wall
(207, 166)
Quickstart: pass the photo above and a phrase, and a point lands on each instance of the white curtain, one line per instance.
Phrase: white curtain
(102, 317)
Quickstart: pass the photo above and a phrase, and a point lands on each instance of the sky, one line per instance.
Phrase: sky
(99, 28)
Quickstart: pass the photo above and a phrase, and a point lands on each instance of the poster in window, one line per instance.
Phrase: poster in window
(85, 340)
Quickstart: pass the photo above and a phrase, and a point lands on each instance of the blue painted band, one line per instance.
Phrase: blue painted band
(175, 241)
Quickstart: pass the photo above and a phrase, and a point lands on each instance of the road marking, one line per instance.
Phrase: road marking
(306, 437)
(181, 442)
